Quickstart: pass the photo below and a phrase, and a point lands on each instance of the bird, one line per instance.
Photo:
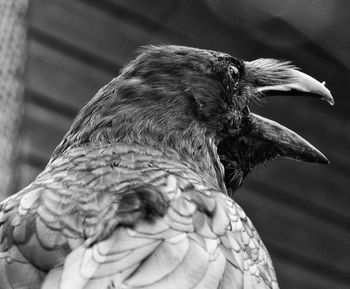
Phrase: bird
(139, 193)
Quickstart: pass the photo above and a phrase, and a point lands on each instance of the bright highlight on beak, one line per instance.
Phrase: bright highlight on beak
(270, 77)
(299, 83)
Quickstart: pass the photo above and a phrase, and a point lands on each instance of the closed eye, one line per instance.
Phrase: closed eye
(234, 71)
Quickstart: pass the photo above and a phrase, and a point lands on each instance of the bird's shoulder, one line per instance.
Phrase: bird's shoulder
(88, 191)
(198, 238)
(118, 211)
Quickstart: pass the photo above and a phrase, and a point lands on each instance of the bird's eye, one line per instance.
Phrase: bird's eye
(233, 71)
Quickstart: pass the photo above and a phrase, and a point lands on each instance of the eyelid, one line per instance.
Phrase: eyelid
(233, 70)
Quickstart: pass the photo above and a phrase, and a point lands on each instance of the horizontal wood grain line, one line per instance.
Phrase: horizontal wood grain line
(99, 33)
(123, 11)
(130, 15)
(295, 228)
(61, 77)
(321, 186)
(77, 52)
(309, 264)
(71, 35)
(35, 160)
(54, 105)
(188, 8)
(287, 197)
(292, 276)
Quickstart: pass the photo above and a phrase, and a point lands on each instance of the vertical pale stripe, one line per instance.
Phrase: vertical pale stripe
(12, 60)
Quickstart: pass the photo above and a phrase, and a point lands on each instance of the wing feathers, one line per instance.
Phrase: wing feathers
(188, 273)
(86, 264)
(233, 278)
(163, 261)
(214, 273)
(131, 218)
(19, 272)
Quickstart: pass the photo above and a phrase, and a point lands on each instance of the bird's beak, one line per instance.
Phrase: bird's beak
(301, 84)
(283, 141)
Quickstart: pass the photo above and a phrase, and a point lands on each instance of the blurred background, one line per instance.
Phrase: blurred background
(302, 211)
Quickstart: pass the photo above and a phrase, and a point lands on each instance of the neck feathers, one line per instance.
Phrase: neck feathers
(113, 117)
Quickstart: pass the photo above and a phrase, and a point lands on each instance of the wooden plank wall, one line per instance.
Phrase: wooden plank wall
(301, 210)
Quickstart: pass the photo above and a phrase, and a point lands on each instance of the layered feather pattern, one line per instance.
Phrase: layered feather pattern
(121, 216)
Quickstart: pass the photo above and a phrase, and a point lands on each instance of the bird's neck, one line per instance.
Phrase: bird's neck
(199, 154)
(132, 125)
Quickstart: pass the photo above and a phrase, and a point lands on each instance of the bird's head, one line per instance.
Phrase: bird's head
(261, 139)
(195, 101)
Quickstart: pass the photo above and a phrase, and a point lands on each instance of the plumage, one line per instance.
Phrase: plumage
(137, 194)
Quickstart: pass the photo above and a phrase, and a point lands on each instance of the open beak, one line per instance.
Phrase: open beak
(283, 141)
(283, 80)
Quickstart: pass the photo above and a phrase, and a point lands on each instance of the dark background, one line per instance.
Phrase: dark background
(301, 210)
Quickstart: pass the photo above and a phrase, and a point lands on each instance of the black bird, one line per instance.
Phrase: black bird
(135, 195)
